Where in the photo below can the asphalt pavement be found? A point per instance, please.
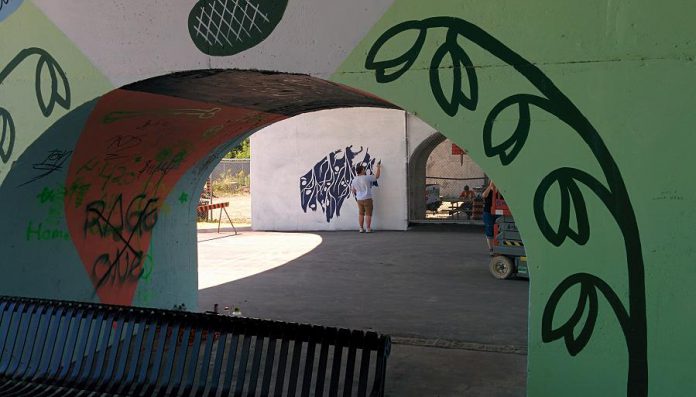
(457, 331)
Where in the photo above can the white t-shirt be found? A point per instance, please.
(363, 186)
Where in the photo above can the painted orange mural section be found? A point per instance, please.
(134, 149)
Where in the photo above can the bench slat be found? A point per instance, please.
(341, 336)
(193, 362)
(255, 366)
(282, 361)
(163, 380)
(231, 356)
(81, 342)
(362, 379)
(149, 382)
(309, 366)
(137, 347)
(350, 366)
(219, 355)
(295, 367)
(47, 352)
(182, 348)
(242, 366)
(268, 373)
(57, 348)
(14, 321)
(26, 321)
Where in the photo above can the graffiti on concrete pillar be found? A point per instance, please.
(227, 27)
(134, 147)
(327, 184)
(53, 162)
(577, 330)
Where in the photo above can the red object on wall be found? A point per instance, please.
(456, 150)
(133, 150)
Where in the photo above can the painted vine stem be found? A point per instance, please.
(613, 195)
(56, 80)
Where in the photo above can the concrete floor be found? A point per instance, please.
(456, 330)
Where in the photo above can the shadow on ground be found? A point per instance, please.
(457, 330)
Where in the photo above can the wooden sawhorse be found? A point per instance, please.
(222, 207)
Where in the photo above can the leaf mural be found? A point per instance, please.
(587, 297)
(404, 61)
(459, 60)
(571, 196)
(8, 135)
(511, 147)
(228, 27)
(613, 194)
(587, 308)
(58, 87)
(57, 83)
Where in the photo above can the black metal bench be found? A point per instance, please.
(59, 348)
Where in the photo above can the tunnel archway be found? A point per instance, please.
(140, 154)
(416, 175)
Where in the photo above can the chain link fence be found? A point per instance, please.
(449, 172)
(231, 176)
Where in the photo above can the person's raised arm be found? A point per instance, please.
(488, 190)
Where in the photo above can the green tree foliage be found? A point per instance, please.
(241, 151)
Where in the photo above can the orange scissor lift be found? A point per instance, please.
(509, 257)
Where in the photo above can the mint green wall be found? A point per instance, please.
(619, 73)
(629, 69)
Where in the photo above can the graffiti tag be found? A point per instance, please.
(327, 184)
(52, 163)
(125, 263)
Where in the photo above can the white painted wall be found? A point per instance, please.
(285, 151)
(153, 36)
(417, 131)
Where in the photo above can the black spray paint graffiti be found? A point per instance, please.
(614, 195)
(126, 263)
(228, 27)
(327, 185)
(50, 78)
(52, 163)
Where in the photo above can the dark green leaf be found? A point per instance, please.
(509, 148)
(564, 179)
(459, 60)
(57, 85)
(402, 62)
(8, 135)
(587, 303)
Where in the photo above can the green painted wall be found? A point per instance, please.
(628, 68)
(580, 111)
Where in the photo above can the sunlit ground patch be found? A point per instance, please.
(225, 257)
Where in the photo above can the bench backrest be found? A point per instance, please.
(139, 351)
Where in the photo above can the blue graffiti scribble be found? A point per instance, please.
(327, 185)
(7, 7)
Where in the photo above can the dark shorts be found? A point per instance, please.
(365, 207)
(489, 222)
